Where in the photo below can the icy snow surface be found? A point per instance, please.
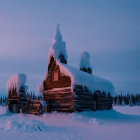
(85, 60)
(16, 81)
(99, 125)
(58, 47)
(90, 81)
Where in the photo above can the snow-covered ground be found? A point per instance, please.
(122, 123)
(131, 110)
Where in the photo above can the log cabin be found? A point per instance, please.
(67, 89)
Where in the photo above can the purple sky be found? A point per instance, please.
(108, 29)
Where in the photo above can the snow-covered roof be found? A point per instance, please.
(16, 81)
(58, 46)
(92, 82)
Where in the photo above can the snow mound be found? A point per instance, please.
(93, 83)
(85, 60)
(58, 47)
(16, 81)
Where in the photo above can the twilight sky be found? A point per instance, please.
(108, 29)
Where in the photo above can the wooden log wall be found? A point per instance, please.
(104, 102)
(30, 105)
(33, 107)
(83, 99)
(63, 80)
(65, 100)
(86, 101)
(61, 100)
(14, 101)
(21, 102)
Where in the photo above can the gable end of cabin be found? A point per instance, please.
(57, 89)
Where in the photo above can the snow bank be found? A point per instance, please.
(16, 82)
(85, 60)
(58, 47)
(99, 125)
(131, 110)
(93, 83)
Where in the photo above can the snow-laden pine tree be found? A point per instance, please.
(85, 62)
(17, 83)
(58, 48)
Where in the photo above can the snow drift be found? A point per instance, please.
(99, 125)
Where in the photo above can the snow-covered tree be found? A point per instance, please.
(58, 48)
(85, 62)
(17, 83)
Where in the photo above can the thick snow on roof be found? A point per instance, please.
(16, 81)
(58, 47)
(85, 60)
(92, 82)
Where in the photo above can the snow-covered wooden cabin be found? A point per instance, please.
(68, 89)
(18, 101)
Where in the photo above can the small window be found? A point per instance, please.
(55, 76)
